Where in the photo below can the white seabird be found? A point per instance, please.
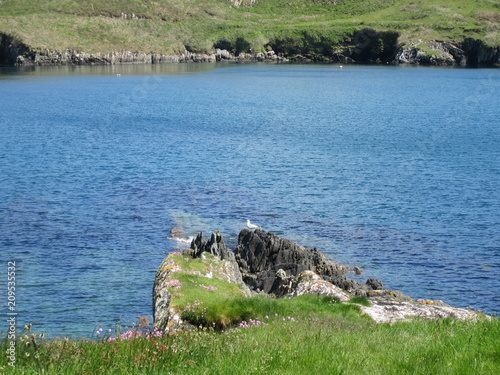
(251, 226)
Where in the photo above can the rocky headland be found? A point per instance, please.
(266, 264)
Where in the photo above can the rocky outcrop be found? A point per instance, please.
(164, 316)
(309, 282)
(216, 247)
(13, 52)
(388, 307)
(261, 254)
(215, 261)
(480, 54)
(72, 57)
(437, 53)
(471, 52)
(267, 264)
(272, 265)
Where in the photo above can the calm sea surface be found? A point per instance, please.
(392, 169)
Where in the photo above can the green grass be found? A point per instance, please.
(231, 334)
(300, 336)
(169, 26)
(214, 302)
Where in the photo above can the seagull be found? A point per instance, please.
(251, 226)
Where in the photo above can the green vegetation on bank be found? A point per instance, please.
(230, 334)
(213, 302)
(171, 26)
(297, 336)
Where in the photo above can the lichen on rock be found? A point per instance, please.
(309, 282)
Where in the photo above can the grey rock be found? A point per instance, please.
(309, 282)
(198, 245)
(470, 52)
(162, 314)
(389, 311)
(349, 285)
(281, 274)
(374, 284)
(261, 254)
(216, 247)
(222, 54)
(383, 295)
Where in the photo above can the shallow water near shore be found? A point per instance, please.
(392, 169)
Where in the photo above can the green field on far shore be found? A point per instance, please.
(172, 26)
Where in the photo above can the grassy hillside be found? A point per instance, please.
(170, 26)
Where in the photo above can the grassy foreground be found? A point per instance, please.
(171, 26)
(262, 335)
(333, 339)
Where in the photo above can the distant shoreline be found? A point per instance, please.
(469, 53)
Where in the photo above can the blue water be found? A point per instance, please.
(392, 169)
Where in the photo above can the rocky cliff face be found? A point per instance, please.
(471, 52)
(16, 53)
(480, 54)
(20, 55)
(365, 45)
(10, 49)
